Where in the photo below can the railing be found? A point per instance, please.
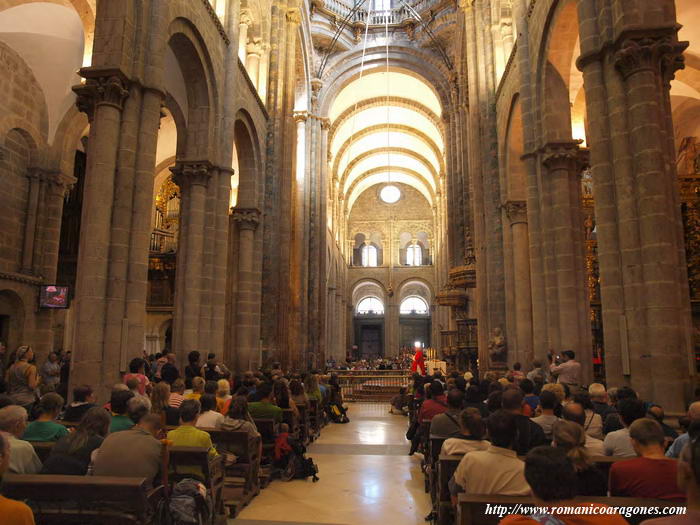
(371, 385)
(394, 16)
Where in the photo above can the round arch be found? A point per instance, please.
(246, 145)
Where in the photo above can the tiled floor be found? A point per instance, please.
(366, 478)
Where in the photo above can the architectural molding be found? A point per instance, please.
(661, 53)
(192, 173)
(565, 155)
(516, 211)
(109, 87)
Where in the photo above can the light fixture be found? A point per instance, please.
(390, 194)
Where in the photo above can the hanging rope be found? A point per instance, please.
(388, 91)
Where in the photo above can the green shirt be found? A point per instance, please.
(265, 410)
(44, 431)
(120, 423)
(188, 436)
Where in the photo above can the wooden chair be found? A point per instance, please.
(211, 469)
(43, 449)
(84, 500)
(472, 507)
(446, 466)
(289, 417)
(314, 419)
(241, 482)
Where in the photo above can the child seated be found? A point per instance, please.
(400, 402)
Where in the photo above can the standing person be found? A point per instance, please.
(193, 367)
(12, 512)
(537, 374)
(137, 371)
(51, 372)
(169, 372)
(418, 361)
(569, 371)
(22, 379)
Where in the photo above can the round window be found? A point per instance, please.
(390, 194)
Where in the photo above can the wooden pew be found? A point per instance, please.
(447, 464)
(291, 419)
(304, 424)
(212, 471)
(84, 500)
(314, 419)
(43, 448)
(472, 507)
(241, 482)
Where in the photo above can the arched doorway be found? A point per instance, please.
(11, 320)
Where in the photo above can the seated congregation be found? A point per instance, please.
(514, 440)
(204, 435)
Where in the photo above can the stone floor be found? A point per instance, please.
(366, 478)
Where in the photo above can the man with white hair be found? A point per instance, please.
(23, 458)
(674, 451)
(599, 398)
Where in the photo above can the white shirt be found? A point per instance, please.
(619, 444)
(459, 447)
(594, 446)
(568, 372)
(496, 471)
(210, 419)
(23, 458)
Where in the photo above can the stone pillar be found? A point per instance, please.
(263, 71)
(247, 300)
(101, 97)
(245, 22)
(517, 214)
(30, 225)
(252, 63)
(193, 178)
(565, 162)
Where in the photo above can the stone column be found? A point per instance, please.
(193, 178)
(245, 22)
(252, 63)
(30, 225)
(565, 162)
(101, 97)
(263, 71)
(247, 300)
(517, 214)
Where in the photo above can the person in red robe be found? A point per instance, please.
(418, 361)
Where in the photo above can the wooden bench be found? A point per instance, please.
(43, 448)
(472, 507)
(314, 419)
(212, 471)
(241, 482)
(290, 418)
(84, 500)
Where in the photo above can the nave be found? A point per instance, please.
(365, 476)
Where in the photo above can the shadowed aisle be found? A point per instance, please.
(365, 475)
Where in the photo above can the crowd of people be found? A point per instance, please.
(538, 433)
(92, 438)
(402, 361)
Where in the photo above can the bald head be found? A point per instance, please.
(694, 411)
(574, 412)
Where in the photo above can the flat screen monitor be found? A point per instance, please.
(52, 296)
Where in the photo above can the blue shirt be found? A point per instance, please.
(674, 451)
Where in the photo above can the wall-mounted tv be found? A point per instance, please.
(52, 296)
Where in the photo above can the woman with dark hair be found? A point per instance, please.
(72, 454)
(296, 389)
(238, 418)
(283, 398)
(137, 370)
(193, 368)
(313, 391)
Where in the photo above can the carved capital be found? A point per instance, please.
(294, 16)
(254, 48)
(58, 183)
(661, 54)
(325, 122)
(246, 218)
(516, 211)
(465, 5)
(192, 173)
(300, 116)
(101, 87)
(565, 156)
(246, 18)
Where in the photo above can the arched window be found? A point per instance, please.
(370, 305)
(413, 305)
(414, 255)
(369, 255)
(381, 5)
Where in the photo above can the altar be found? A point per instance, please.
(432, 364)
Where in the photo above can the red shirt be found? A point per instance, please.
(432, 407)
(645, 478)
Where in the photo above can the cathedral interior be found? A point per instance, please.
(305, 181)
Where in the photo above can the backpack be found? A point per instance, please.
(189, 504)
(293, 464)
